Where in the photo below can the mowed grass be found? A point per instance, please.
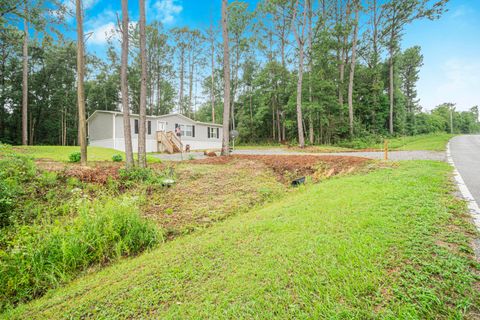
(432, 142)
(393, 243)
(61, 153)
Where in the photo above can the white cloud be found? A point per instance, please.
(101, 27)
(101, 34)
(165, 10)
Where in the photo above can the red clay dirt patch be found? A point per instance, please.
(297, 165)
(99, 174)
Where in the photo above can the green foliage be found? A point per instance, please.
(15, 170)
(117, 158)
(361, 142)
(145, 175)
(42, 257)
(394, 244)
(74, 157)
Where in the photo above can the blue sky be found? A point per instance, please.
(451, 45)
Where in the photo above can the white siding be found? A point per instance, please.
(103, 121)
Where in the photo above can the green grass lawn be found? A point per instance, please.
(394, 243)
(61, 153)
(433, 142)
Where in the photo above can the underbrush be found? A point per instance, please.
(53, 227)
(42, 257)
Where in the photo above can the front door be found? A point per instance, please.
(161, 126)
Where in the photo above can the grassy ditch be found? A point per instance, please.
(392, 243)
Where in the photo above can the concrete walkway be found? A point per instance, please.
(393, 155)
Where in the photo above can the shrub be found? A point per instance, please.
(364, 142)
(15, 171)
(136, 174)
(117, 158)
(74, 157)
(42, 257)
(48, 179)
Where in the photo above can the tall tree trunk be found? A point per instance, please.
(82, 121)
(311, 135)
(301, 138)
(226, 76)
(25, 78)
(278, 126)
(344, 54)
(212, 91)
(300, 42)
(391, 93)
(341, 71)
(352, 69)
(190, 80)
(142, 157)
(273, 119)
(127, 132)
(182, 75)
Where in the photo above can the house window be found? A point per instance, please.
(213, 133)
(149, 127)
(187, 130)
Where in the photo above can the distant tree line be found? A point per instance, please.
(300, 71)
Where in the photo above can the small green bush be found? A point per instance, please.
(75, 157)
(48, 179)
(146, 175)
(364, 142)
(117, 158)
(42, 257)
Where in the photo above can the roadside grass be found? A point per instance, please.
(61, 153)
(394, 243)
(432, 142)
(310, 148)
(322, 149)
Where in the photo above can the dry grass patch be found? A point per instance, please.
(207, 193)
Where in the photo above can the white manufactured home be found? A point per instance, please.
(105, 129)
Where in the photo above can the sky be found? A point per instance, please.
(450, 46)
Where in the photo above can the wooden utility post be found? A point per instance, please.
(385, 149)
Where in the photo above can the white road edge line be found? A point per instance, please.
(467, 195)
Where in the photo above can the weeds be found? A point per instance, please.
(42, 257)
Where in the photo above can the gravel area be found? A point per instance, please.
(392, 155)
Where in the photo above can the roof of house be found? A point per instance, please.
(155, 117)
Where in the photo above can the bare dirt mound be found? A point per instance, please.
(292, 166)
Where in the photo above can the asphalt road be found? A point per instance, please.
(465, 152)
